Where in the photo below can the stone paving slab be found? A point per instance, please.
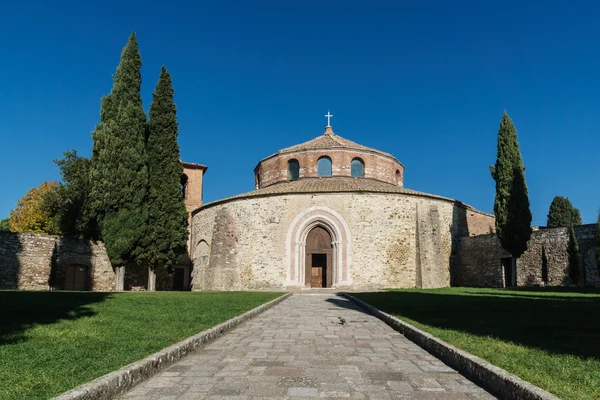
(299, 350)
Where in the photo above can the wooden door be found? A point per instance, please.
(318, 270)
(318, 258)
(317, 277)
(76, 277)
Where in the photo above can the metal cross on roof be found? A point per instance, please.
(329, 115)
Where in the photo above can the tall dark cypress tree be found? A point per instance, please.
(511, 205)
(119, 171)
(573, 252)
(167, 227)
(598, 242)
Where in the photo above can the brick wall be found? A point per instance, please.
(194, 174)
(376, 166)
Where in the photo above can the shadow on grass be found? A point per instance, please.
(22, 310)
(556, 324)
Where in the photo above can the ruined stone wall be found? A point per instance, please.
(89, 254)
(31, 261)
(25, 260)
(479, 261)
(586, 237)
(546, 261)
(382, 168)
(397, 240)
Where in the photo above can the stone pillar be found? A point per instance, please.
(336, 268)
(151, 280)
(120, 278)
(514, 282)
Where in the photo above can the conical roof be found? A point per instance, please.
(329, 140)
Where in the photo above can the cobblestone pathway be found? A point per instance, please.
(298, 349)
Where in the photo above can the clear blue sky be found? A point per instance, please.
(426, 81)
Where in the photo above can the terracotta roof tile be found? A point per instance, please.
(336, 184)
(329, 140)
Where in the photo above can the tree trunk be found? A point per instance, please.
(151, 279)
(120, 278)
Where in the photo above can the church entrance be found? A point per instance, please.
(318, 258)
(319, 271)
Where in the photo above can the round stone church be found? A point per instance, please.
(329, 213)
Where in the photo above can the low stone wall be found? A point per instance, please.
(545, 263)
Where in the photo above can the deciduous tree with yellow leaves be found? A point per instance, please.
(32, 213)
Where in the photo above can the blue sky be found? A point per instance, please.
(426, 81)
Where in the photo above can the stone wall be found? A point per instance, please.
(479, 262)
(31, 261)
(395, 240)
(546, 261)
(86, 253)
(376, 166)
(136, 278)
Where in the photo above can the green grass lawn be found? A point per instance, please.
(549, 337)
(53, 341)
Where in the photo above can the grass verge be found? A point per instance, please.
(549, 337)
(51, 342)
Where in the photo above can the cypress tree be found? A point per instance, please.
(167, 226)
(511, 204)
(562, 213)
(598, 242)
(119, 174)
(573, 251)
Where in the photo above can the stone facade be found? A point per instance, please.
(382, 235)
(545, 263)
(381, 240)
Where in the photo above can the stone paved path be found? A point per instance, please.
(298, 349)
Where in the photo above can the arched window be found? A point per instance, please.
(293, 170)
(183, 186)
(357, 168)
(324, 166)
(397, 177)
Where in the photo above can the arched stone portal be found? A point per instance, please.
(327, 224)
(318, 265)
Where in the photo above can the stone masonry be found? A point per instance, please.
(387, 249)
(299, 350)
(31, 261)
(546, 261)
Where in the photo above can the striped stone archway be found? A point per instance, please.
(337, 227)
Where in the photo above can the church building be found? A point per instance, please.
(329, 213)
